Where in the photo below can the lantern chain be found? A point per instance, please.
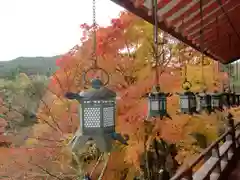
(236, 73)
(186, 84)
(231, 78)
(185, 72)
(214, 78)
(237, 76)
(94, 54)
(185, 64)
(201, 43)
(156, 55)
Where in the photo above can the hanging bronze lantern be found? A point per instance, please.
(204, 102)
(157, 100)
(97, 109)
(237, 99)
(157, 103)
(97, 112)
(232, 99)
(187, 100)
(203, 99)
(216, 101)
(226, 99)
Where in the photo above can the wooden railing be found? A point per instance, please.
(216, 158)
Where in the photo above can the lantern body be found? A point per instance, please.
(97, 117)
(232, 99)
(237, 97)
(187, 102)
(97, 122)
(204, 102)
(226, 99)
(97, 111)
(216, 101)
(157, 104)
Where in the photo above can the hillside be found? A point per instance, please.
(28, 65)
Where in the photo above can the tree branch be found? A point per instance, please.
(46, 171)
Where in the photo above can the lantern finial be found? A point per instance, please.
(156, 88)
(96, 83)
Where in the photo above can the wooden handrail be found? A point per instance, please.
(215, 157)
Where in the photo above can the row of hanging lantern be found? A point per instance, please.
(202, 101)
(190, 102)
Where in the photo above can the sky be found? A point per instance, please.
(47, 27)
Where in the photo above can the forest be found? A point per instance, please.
(37, 122)
(28, 65)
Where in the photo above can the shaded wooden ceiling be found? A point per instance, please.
(182, 19)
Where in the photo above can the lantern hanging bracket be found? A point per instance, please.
(202, 46)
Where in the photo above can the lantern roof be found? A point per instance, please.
(221, 27)
(156, 91)
(187, 92)
(203, 94)
(216, 93)
(102, 93)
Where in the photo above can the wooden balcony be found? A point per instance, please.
(218, 161)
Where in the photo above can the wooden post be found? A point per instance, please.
(232, 133)
(216, 154)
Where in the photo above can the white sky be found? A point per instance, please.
(46, 27)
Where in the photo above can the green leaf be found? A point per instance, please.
(2, 116)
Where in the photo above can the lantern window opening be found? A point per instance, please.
(204, 103)
(157, 105)
(108, 116)
(184, 101)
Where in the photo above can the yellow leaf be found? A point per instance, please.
(31, 141)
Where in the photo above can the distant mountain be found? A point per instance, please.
(29, 65)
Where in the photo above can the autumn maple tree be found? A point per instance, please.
(125, 51)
